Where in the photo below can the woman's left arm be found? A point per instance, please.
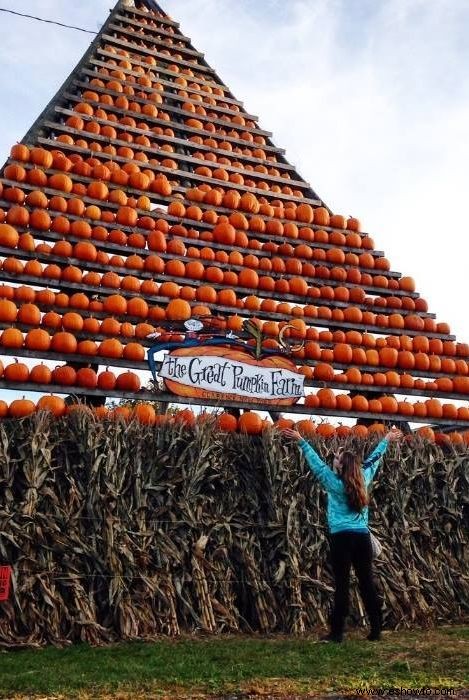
(372, 462)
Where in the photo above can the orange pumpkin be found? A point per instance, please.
(52, 404)
(250, 423)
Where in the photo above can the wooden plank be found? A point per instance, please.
(316, 322)
(74, 358)
(124, 250)
(222, 210)
(243, 291)
(130, 45)
(168, 107)
(193, 79)
(176, 141)
(63, 111)
(160, 30)
(141, 13)
(126, 26)
(114, 207)
(172, 95)
(307, 411)
(342, 387)
(184, 175)
(178, 126)
(180, 35)
(299, 409)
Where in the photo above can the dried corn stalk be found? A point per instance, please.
(120, 531)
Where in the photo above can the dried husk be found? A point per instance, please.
(121, 531)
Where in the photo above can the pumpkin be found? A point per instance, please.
(53, 404)
(327, 398)
(8, 311)
(107, 380)
(227, 423)
(9, 236)
(16, 372)
(324, 372)
(20, 408)
(145, 413)
(178, 310)
(115, 304)
(64, 342)
(250, 423)
(64, 376)
(128, 382)
(86, 377)
(40, 374)
(11, 338)
(37, 339)
(111, 347)
(305, 213)
(325, 430)
(20, 152)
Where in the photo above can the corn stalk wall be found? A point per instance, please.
(121, 531)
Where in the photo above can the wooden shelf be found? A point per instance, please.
(176, 125)
(299, 409)
(183, 175)
(64, 112)
(127, 28)
(378, 290)
(51, 356)
(126, 250)
(152, 15)
(267, 237)
(227, 97)
(173, 95)
(316, 322)
(167, 106)
(131, 46)
(243, 291)
(342, 387)
(148, 27)
(158, 138)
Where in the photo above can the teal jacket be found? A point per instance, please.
(339, 514)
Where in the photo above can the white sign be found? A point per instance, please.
(227, 376)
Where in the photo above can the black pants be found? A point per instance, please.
(353, 548)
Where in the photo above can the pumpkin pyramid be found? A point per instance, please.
(146, 181)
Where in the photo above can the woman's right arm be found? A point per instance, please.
(324, 474)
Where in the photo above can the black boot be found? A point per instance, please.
(334, 638)
(374, 636)
(375, 627)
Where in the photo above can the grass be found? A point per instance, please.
(279, 665)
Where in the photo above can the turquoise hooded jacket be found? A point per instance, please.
(339, 514)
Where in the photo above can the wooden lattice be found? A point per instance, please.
(117, 190)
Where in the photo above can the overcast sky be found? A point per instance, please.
(370, 98)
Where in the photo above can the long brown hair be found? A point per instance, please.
(352, 476)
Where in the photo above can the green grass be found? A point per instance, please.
(256, 664)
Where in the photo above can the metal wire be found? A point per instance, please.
(47, 21)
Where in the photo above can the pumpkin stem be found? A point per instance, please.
(256, 333)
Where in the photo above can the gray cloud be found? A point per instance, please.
(369, 97)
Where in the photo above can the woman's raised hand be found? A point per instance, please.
(393, 435)
(292, 434)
